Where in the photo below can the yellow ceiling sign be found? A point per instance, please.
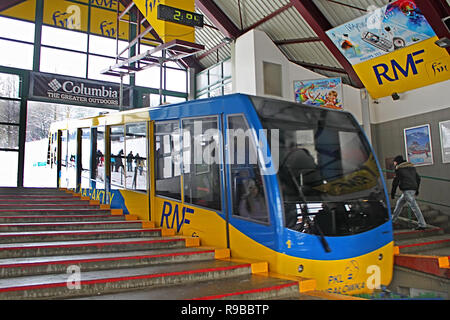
(167, 30)
(66, 14)
(406, 69)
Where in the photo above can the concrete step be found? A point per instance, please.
(245, 287)
(430, 214)
(65, 226)
(65, 218)
(8, 212)
(435, 265)
(18, 267)
(108, 281)
(20, 250)
(414, 234)
(439, 221)
(40, 201)
(37, 197)
(65, 206)
(44, 236)
(31, 192)
(422, 244)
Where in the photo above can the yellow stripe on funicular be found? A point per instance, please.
(136, 203)
(190, 221)
(347, 276)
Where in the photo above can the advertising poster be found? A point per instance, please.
(418, 145)
(444, 128)
(383, 30)
(320, 92)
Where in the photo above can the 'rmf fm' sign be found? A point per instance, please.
(409, 68)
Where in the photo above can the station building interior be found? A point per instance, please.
(387, 62)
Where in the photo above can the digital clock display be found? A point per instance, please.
(180, 16)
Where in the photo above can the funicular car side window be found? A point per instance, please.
(248, 192)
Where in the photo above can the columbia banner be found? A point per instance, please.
(392, 49)
(62, 89)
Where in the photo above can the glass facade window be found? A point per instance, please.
(64, 39)
(9, 137)
(168, 159)
(176, 80)
(23, 31)
(8, 168)
(97, 64)
(9, 86)
(16, 54)
(9, 111)
(63, 62)
(215, 81)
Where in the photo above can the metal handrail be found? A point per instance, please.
(426, 177)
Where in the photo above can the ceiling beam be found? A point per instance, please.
(319, 67)
(318, 22)
(268, 17)
(218, 18)
(6, 4)
(295, 41)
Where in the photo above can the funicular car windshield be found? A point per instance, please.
(328, 176)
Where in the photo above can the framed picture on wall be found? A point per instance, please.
(444, 130)
(418, 145)
(327, 92)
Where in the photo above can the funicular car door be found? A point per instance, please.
(250, 224)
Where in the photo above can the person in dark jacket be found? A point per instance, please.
(408, 180)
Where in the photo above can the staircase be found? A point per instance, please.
(422, 257)
(58, 245)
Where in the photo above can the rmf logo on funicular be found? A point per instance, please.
(409, 68)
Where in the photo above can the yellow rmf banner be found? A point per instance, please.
(406, 69)
(167, 31)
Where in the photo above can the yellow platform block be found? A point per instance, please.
(167, 232)
(192, 242)
(222, 253)
(148, 224)
(94, 202)
(260, 267)
(105, 206)
(116, 212)
(444, 263)
(305, 285)
(130, 217)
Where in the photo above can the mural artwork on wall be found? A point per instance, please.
(418, 145)
(320, 92)
(444, 129)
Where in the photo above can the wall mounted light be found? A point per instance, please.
(395, 96)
